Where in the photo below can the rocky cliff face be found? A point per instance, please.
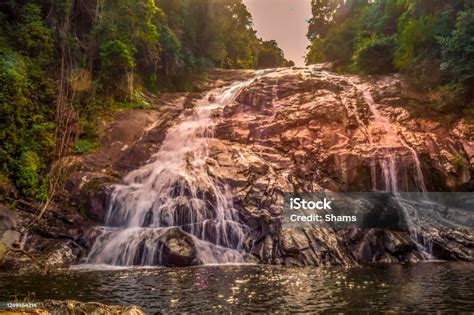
(310, 130)
(296, 130)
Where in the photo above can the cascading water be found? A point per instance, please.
(386, 146)
(390, 169)
(391, 137)
(175, 191)
(388, 161)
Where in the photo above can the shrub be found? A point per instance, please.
(374, 56)
(458, 162)
(28, 178)
(315, 52)
(84, 146)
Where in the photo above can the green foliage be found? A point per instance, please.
(32, 36)
(323, 14)
(27, 135)
(271, 56)
(116, 54)
(374, 55)
(459, 162)
(14, 85)
(40, 138)
(315, 52)
(453, 97)
(89, 129)
(414, 34)
(210, 33)
(339, 45)
(166, 44)
(458, 49)
(118, 61)
(137, 104)
(84, 146)
(28, 178)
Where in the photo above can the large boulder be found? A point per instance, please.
(177, 249)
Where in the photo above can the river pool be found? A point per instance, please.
(424, 287)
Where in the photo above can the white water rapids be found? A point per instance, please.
(175, 191)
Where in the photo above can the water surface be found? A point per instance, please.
(425, 287)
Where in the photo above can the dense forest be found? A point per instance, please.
(63, 64)
(431, 41)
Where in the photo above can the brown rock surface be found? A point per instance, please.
(310, 130)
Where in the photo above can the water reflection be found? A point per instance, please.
(423, 287)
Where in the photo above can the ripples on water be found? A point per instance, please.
(425, 287)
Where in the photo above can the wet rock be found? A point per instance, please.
(56, 255)
(97, 196)
(452, 244)
(264, 250)
(10, 237)
(177, 249)
(376, 245)
(56, 241)
(61, 255)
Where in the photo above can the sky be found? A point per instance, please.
(284, 21)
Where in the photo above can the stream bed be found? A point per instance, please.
(423, 287)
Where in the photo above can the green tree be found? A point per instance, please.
(26, 97)
(458, 50)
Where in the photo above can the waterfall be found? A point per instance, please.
(388, 158)
(175, 191)
(389, 165)
(175, 198)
